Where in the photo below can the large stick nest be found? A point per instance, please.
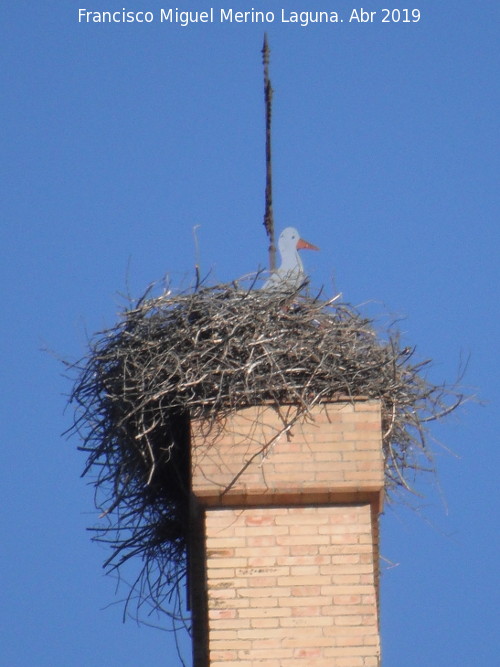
(204, 355)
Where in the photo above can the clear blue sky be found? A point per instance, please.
(117, 139)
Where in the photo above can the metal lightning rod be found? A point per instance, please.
(268, 214)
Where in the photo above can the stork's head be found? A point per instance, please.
(290, 240)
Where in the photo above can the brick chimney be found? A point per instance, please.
(284, 548)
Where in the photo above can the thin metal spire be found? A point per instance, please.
(268, 214)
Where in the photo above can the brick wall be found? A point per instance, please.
(287, 567)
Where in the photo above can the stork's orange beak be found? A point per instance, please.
(305, 245)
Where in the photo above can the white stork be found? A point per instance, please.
(291, 275)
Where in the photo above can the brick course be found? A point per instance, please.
(252, 460)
